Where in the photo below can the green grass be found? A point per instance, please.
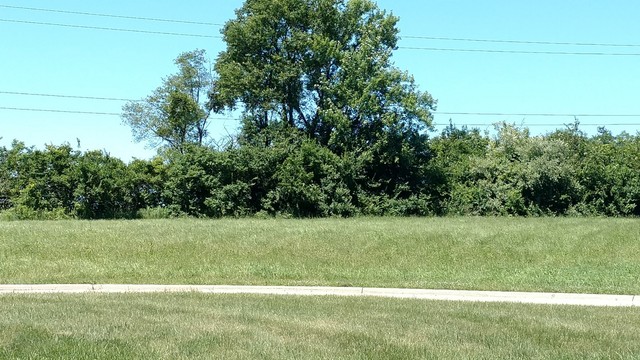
(267, 327)
(536, 254)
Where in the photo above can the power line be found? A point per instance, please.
(111, 15)
(436, 113)
(108, 29)
(518, 51)
(528, 42)
(65, 96)
(419, 37)
(401, 47)
(545, 125)
(533, 114)
(85, 112)
(60, 111)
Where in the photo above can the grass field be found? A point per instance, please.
(536, 254)
(174, 326)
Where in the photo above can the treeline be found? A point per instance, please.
(329, 127)
(459, 172)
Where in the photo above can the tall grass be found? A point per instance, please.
(534, 254)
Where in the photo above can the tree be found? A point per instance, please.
(610, 175)
(323, 68)
(176, 114)
(103, 188)
(5, 194)
(453, 151)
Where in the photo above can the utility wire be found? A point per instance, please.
(400, 47)
(546, 125)
(60, 111)
(418, 37)
(518, 51)
(65, 96)
(436, 113)
(108, 29)
(528, 42)
(111, 15)
(84, 112)
(533, 114)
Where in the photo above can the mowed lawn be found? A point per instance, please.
(585, 255)
(175, 326)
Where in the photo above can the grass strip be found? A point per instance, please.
(139, 326)
(514, 254)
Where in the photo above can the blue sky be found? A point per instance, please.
(45, 59)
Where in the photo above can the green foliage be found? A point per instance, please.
(453, 152)
(462, 172)
(610, 176)
(310, 182)
(41, 180)
(518, 175)
(330, 127)
(5, 190)
(103, 189)
(146, 181)
(190, 180)
(22, 212)
(154, 213)
(322, 68)
(205, 182)
(58, 182)
(177, 113)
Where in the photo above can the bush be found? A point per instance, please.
(155, 213)
(22, 212)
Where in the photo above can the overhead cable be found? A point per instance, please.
(400, 47)
(533, 114)
(417, 37)
(518, 51)
(528, 42)
(60, 111)
(85, 112)
(435, 113)
(111, 15)
(108, 28)
(545, 125)
(65, 96)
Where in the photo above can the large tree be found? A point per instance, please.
(322, 67)
(177, 112)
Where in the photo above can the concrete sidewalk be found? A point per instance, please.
(448, 295)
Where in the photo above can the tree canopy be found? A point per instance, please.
(321, 67)
(176, 113)
(330, 127)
